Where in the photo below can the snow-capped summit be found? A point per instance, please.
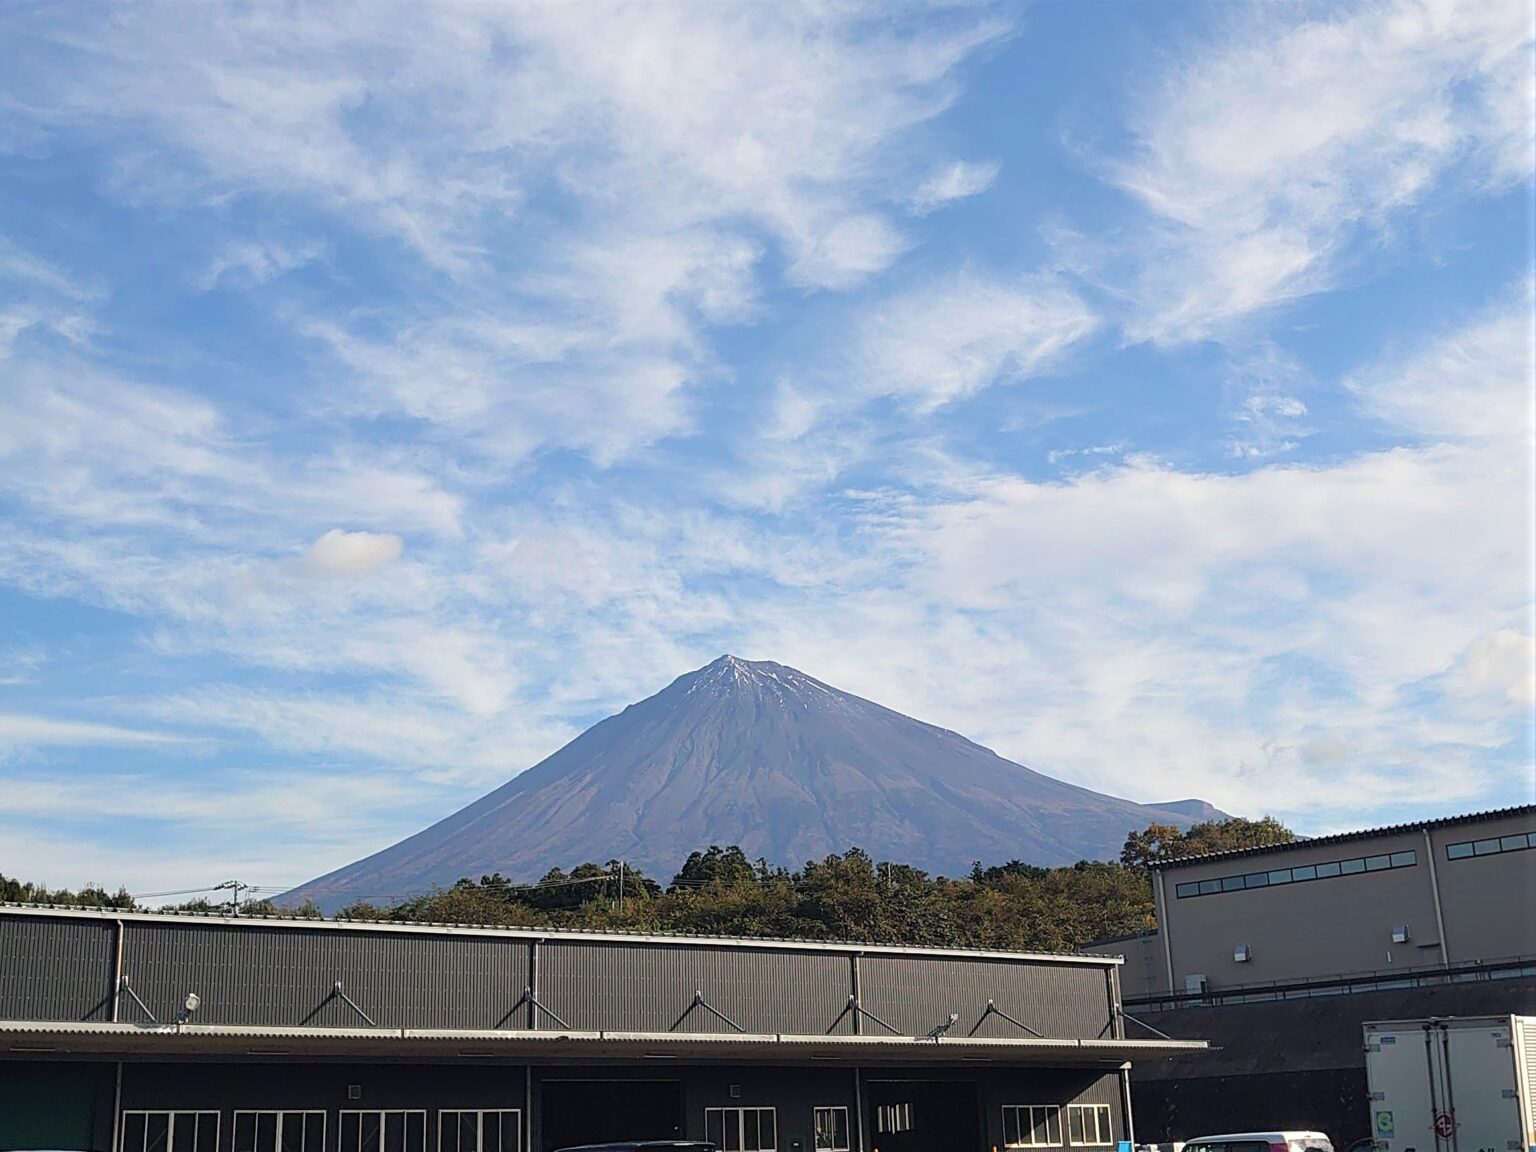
(759, 754)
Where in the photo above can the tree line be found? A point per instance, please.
(846, 896)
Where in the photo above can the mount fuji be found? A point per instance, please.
(761, 755)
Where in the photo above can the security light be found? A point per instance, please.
(1400, 934)
(193, 1002)
(1242, 954)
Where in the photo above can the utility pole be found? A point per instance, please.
(234, 887)
(621, 888)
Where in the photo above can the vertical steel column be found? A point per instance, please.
(527, 1124)
(117, 1109)
(858, 1105)
(1125, 1102)
(1434, 887)
(117, 972)
(533, 983)
(858, 999)
(1117, 1021)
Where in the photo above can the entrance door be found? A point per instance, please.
(598, 1111)
(923, 1116)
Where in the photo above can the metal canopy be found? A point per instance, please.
(170, 1041)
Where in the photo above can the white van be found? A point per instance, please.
(1261, 1142)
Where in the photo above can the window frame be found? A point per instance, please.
(480, 1114)
(847, 1144)
(277, 1133)
(381, 1113)
(1106, 1130)
(170, 1115)
(1052, 1112)
(741, 1110)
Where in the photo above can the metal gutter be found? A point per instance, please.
(550, 935)
(190, 1038)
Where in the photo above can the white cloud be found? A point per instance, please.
(942, 342)
(955, 181)
(1503, 662)
(23, 731)
(1265, 154)
(253, 263)
(343, 553)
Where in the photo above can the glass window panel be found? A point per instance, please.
(157, 1132)
(244, 1135)
(415, 1132)
(290, 1133)
(266, 1131)
(751, 1141)
(207, 1139)
(1511, 843)
(1326, 870)
(1280, 876)
(1256, 880)
(1075, 1125)
(1305, 872)
(1053, 1124)
(714, 1127)
(133, 1132)
(1484, 847)
(1530, 839)
(767, 1134)
(1183, 890)
(732, 1130)
(840, 1128)
(1231, 883)
(1011, 1120)
(1404, 859)
(1377, 863)
(1458, 851)
(1351, 867)
(1209, 886)
(314, 1132)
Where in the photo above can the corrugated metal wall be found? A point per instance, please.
(281, 976)
(55, 969)
(917, 993)
(648, 987)
(285, 976)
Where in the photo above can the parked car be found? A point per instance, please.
(1261, 1142)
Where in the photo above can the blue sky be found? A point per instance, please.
(389, 392)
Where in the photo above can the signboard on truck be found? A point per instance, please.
(1452, 1084)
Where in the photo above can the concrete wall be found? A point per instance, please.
(1328, 927)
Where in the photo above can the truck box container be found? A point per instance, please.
(1452, 1084)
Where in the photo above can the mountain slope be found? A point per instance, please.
(760, 755)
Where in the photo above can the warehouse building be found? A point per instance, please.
(1278, 955)
(1398, 902)
(169, 1033)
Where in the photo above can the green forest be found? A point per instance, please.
(848, 896)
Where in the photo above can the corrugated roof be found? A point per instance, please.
(536, 933)
(1346, 837)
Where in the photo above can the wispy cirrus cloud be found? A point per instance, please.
(1262, 158)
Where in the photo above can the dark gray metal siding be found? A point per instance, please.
(915, 993)
(281, 976)
(648, 987)
(55, 969)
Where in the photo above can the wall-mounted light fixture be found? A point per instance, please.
(1400, 934)
(1241, 954)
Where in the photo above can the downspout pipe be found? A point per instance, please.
(1434, 887)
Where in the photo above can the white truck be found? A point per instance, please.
(1452, 1084)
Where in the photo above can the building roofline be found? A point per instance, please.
(1346, 837)
(571, 935)
(169, 1039)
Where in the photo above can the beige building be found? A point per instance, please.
(1407, 899)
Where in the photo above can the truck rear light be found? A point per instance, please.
(1282, 1146)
